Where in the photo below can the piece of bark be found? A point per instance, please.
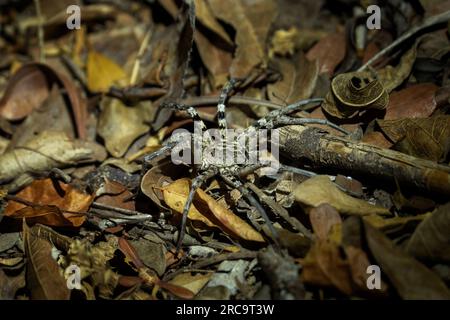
(325, 150)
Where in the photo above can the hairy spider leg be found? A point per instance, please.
(287, 121)
(161, 151)
(221, 116)
(199, 142)
(197, 182)
(302, 172)
(189, 109)
(235, 182)
(297, 106)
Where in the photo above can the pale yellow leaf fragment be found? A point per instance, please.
(319, 190)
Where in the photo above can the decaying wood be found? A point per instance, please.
(321, 149)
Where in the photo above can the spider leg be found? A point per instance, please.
(236, 183)
(286, 121)
(297, 106)
(156, 154)
(190, 110)
(221, 117)
(196, 183)
(302, 172)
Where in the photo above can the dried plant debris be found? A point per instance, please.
(237, 150)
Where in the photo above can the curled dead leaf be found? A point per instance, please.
(353, 93)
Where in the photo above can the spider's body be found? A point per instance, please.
(215, 153)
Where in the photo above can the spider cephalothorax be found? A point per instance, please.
(212, 152)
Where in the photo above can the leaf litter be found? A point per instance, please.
(80, 110)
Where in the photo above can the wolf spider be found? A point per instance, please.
(232, 173)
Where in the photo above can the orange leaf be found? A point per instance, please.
(129, 251)
(417, 101)
(48, 215)
(51, 204)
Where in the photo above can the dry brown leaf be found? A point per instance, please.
(95, 271)
(411, 279)
(391, 77)
(175, 195)
(249, 53)
(323, 218)
(430, 242)
(205, 16)
(51, 202)
(319, 190)
(329, 52)
(377, 139)
(48, 215)
(44, 277)
(10, 285)
(29, 87)
(120, 125)
(27, 90)
(54, 108)
(358, 264)
(298, 82)
(102, 72)
(159, 175)
(116, 195)
(148, 275)
(417, 101)
(216, 60)
(325, 266)
(50, 149)
(427, 138)
(296, 244)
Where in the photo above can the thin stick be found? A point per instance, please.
(431, 21)
(119, 210)
(37, 5)
(244, 254)
(137, 62)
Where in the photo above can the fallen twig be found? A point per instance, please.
(325, 150)
(431, 21)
